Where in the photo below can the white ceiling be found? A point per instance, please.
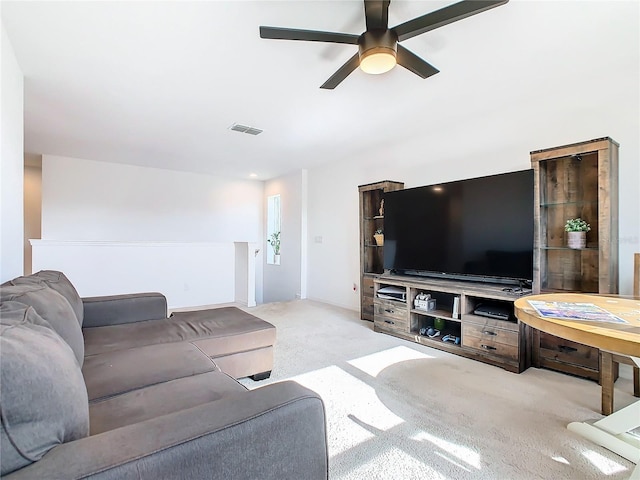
(159, 83)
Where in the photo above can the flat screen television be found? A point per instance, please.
(477, 229)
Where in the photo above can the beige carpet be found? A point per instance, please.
(397, 410)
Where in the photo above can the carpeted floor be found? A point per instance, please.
(397, 410)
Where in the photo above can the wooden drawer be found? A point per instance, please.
(390, 323)
(560, 350)
(367, 287)
(489, 346)
(490, 322)
(489, 334)
(390, 309)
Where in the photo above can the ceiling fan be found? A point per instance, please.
(378, 47)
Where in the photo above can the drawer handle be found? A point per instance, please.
(489, 332)
(371, 286)
(390, 322)
(565, 349)
(389, 310)
(488, 347)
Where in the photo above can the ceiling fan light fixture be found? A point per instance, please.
(378, 60)
(377, 49)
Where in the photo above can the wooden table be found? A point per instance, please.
(618, 338)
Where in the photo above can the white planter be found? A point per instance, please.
(576, 239)
(276, 259)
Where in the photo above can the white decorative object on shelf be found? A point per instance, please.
(424, 301)
(576, 239)
(456, 308)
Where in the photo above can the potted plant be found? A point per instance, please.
(577, 229)
(379, 237)
(274, 241)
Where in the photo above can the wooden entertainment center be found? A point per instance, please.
(500, 342)
(577, 180)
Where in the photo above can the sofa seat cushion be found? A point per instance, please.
(61, 284)
(217, 331)
(161, 399)
(51, 306)
(113, 373)
(43, 399)
(231, 330)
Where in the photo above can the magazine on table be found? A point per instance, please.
(587, 312)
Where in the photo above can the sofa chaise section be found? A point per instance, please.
(239, 343)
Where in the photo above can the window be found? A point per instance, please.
(273, 229)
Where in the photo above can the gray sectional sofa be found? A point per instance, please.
(113, 388)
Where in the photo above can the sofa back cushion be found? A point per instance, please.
(43, 398)
(61, 284)
(51, 306)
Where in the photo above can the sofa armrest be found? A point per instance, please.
(129, 308)
(274, 432)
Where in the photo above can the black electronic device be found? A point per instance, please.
(476, 229)
(499, 311)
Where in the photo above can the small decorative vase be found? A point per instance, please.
(379, 238)
(276, 259)
(576, 239)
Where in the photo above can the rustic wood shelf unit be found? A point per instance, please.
(371, 254)
(490, 340)
(570, 181)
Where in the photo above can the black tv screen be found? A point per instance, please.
(475, 229)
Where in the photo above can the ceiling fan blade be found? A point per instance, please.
(342, 73)
(444, 16)
(376, 13)
(414, 63)
(278, 33)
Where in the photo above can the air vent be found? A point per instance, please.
(236, 127)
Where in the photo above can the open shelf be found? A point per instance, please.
(578, 203)
(435, 313)
(570, 249)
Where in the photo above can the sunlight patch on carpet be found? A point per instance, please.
(376, 362)
(462, 453)
(347, 398)
(604, 464)
(561, 460)
(452, 461)
(405, 467)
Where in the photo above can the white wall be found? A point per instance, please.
(11, 163)
(90, 200)
(284, 282)
(164, 216)
(577, 100)
(187, 273)
(32, 205)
